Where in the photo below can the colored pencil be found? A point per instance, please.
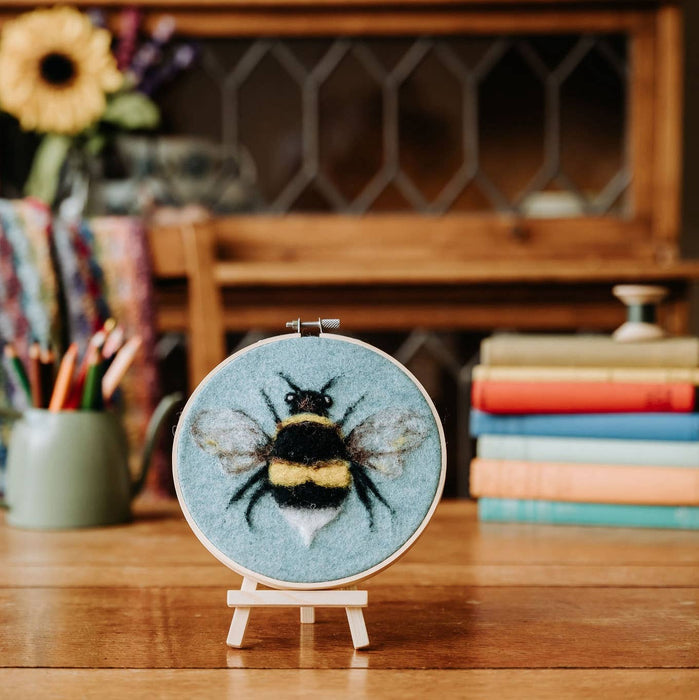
(75, 396)
(35, 375)
(112, 344)
(46, 360)
(64, 378)
(98, 339)
(92, 395)
(18, 369)
(119, 367)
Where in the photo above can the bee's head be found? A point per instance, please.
(307, 400)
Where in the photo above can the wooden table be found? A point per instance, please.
(472, 610)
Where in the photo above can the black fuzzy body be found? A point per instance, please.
(309, 496)
(309, 442)
(315, 444)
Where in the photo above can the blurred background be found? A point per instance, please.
(429, 175)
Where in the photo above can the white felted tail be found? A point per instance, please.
(307, 521)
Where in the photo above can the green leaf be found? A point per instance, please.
(42, 182)
(131, 110)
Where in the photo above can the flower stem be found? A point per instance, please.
(43, 179)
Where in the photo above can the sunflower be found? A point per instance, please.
(55, 68)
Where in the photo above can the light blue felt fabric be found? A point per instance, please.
(346, 546)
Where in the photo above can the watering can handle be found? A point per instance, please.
(153, 433)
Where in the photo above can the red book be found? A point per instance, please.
(582, 397)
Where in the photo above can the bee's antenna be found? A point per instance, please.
(289, 382)
(350, 410)
(328, 384)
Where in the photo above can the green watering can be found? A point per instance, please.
(70, 469)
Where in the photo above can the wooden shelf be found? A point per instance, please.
(280, 274)
(322, 250)
(475, 306)
(376, 273)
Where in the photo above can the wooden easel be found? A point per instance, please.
(249, 597)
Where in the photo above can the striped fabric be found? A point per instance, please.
(98, 269)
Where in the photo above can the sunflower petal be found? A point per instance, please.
(26, 93)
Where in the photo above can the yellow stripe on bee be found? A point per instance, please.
(306, 418)
(331, 474)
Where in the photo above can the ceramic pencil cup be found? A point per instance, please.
(69, 469)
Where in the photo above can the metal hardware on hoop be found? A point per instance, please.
(314, 327)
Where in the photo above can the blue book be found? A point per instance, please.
(563, 513)
(622, 426)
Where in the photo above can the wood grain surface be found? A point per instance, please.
(501, 610)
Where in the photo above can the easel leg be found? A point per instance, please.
(240, 618)
(307, 601)
(355, 617)
(308, 615)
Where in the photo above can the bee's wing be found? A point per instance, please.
(384, 439)
(236, 439)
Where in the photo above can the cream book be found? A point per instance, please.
(618, 375)
(522, 349)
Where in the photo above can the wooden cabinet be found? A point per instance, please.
(503, 261)
(528, 129)
(516, 139)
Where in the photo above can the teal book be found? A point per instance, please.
(560, 513)
(646, 453)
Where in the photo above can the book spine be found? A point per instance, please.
(589, 483)
(560, 513)
(577, 397)
(619, 426)
(593, 450)
(587, 351)
(624, 375)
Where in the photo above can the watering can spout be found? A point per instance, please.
(155, 427)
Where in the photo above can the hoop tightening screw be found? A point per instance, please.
(314, 327)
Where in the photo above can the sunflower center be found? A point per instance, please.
(57, 69)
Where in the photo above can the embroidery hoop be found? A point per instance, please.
(333, 583)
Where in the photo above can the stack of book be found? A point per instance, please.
(587, 430)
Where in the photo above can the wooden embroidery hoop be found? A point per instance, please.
(319, 594)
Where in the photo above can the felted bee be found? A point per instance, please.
(310, 466)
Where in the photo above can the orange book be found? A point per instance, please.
(582, 397)
(587, 483)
